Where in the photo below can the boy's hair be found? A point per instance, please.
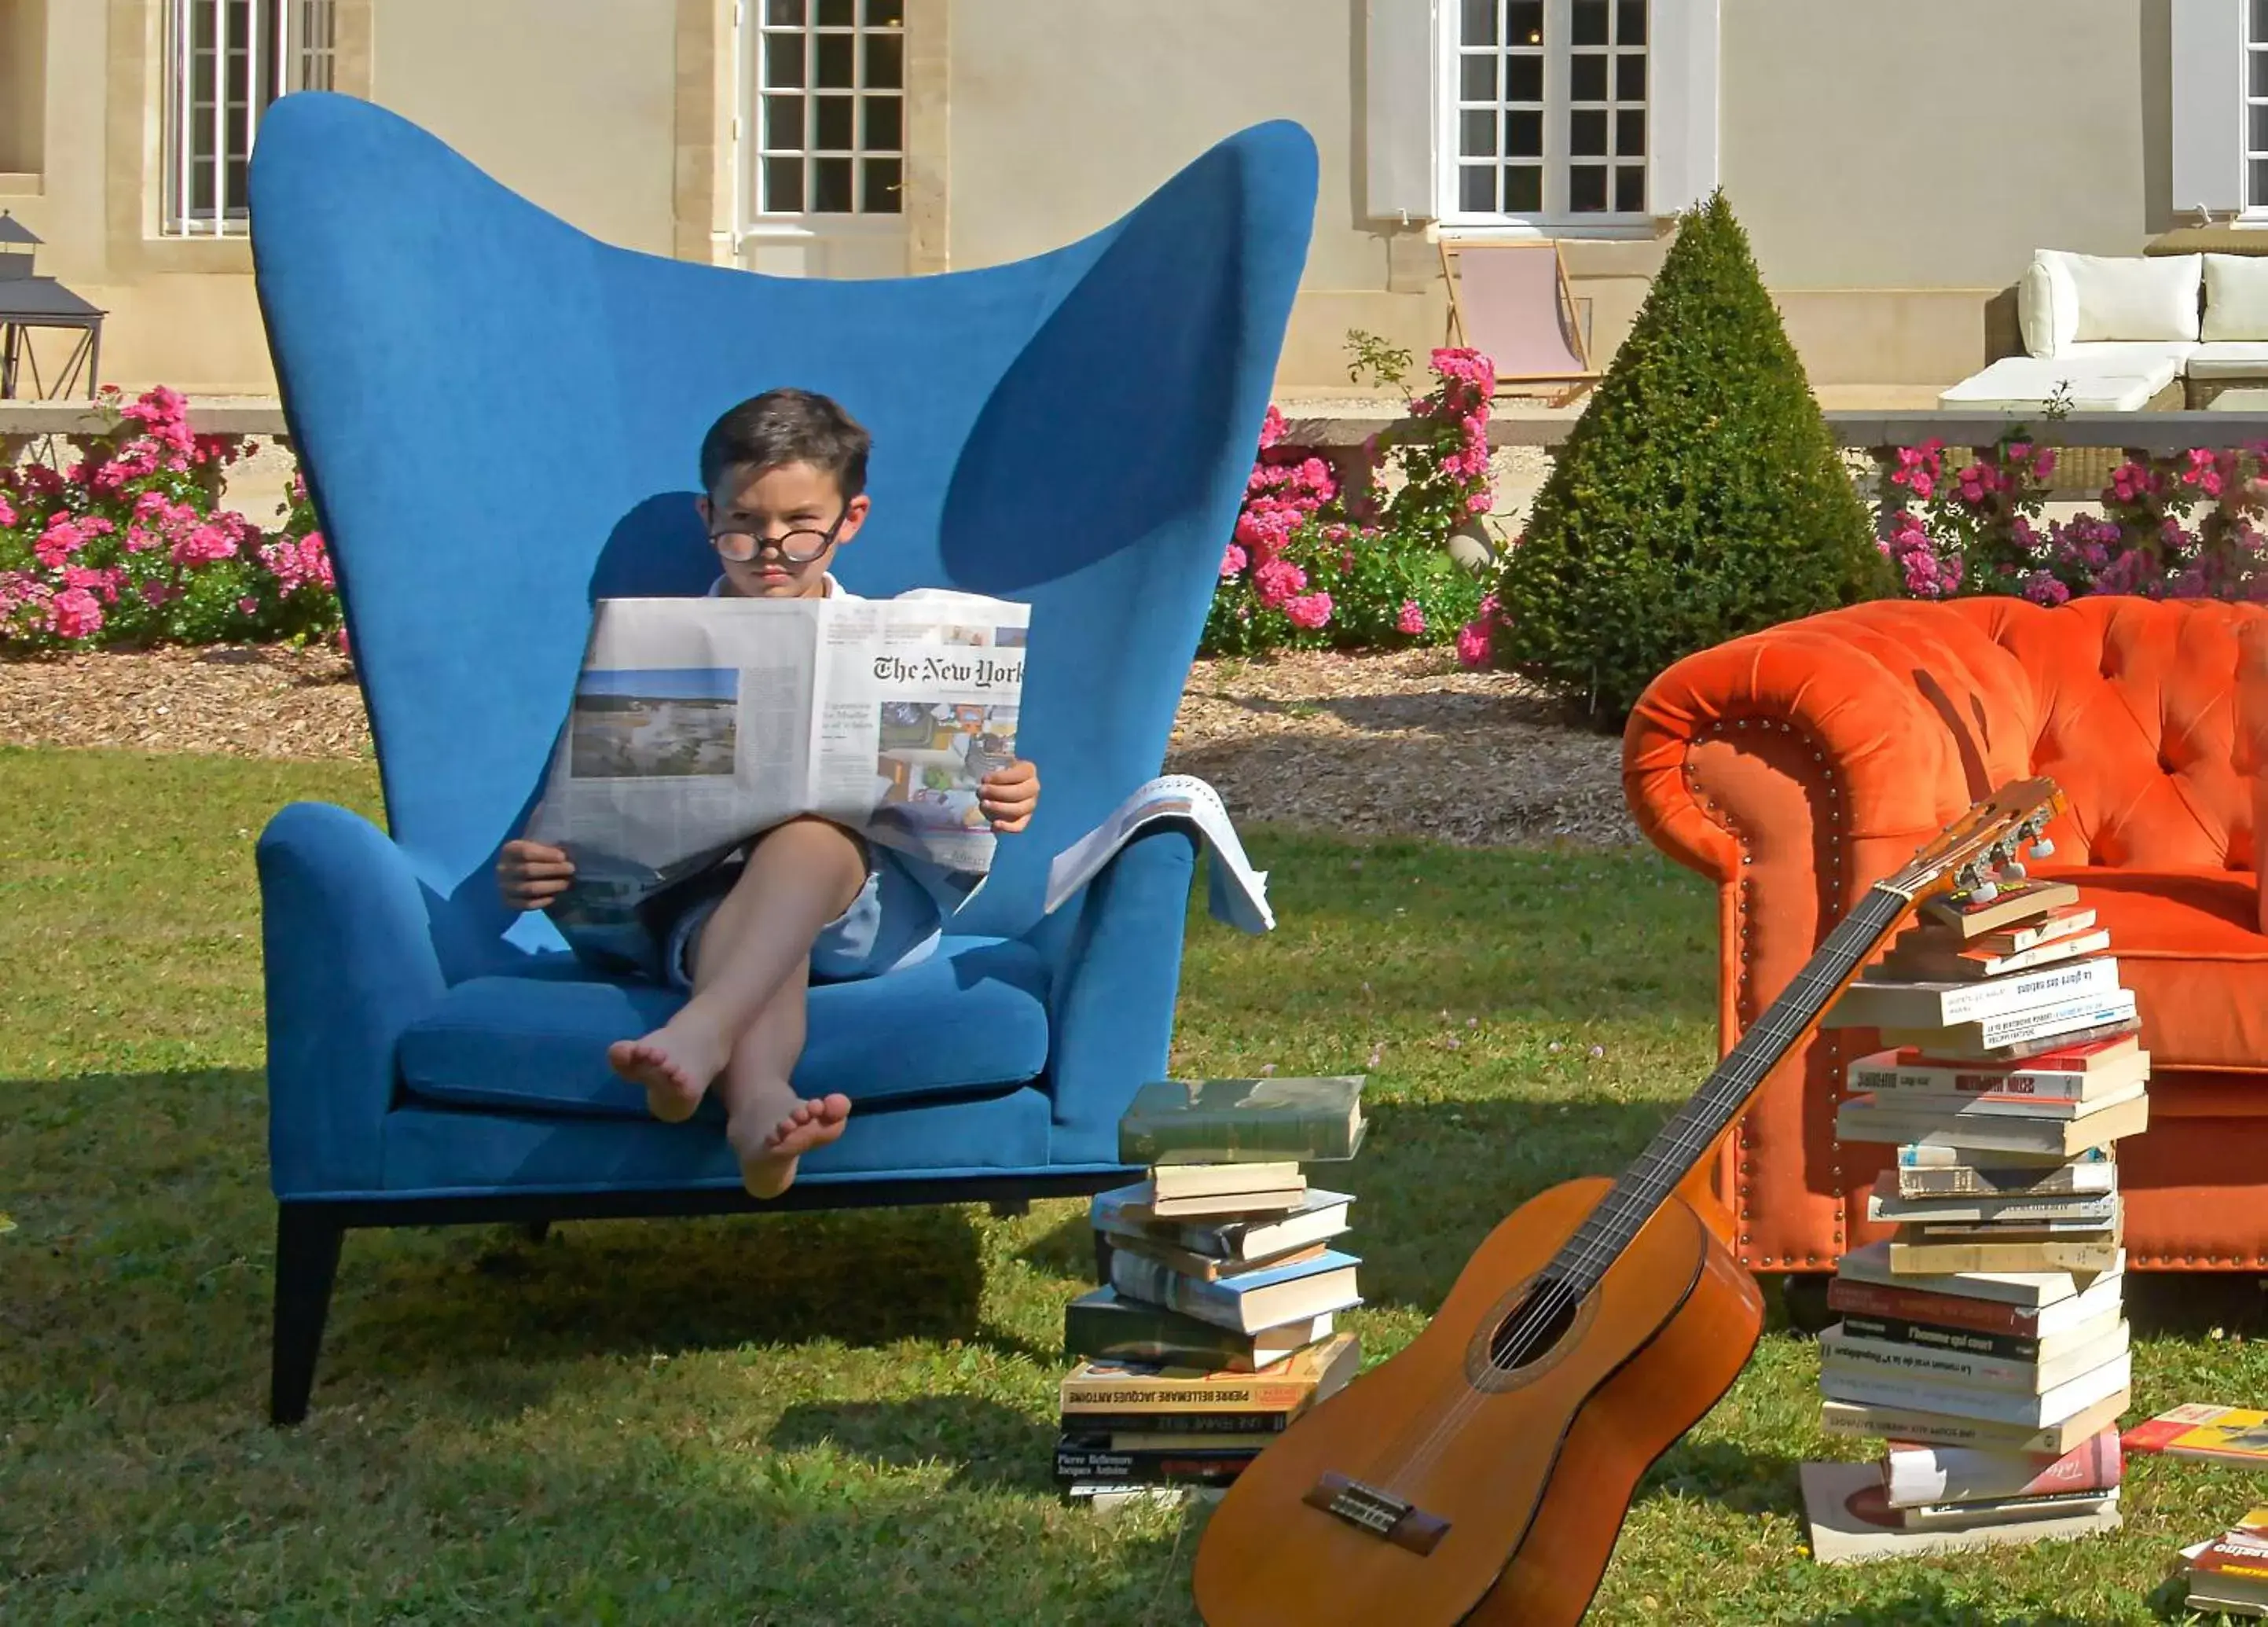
(787, 426)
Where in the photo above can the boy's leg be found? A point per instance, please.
(800, 876)
(767, 1124)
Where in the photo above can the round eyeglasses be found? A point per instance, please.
(797, 548)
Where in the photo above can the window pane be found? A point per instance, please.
(201, 198)
(2258, 140)
(1523, 78)
(879, 177)
(1587, 187)
(883, 123)
(1476, 189)
(830, 186)
(783, 13)
(1524, 22)
(1629, 133)
(1629, 188)
(2259, 72)
(1589, 25)
(1586, 133)
(1476, 134)
(1479, 23)
(783, 62)
(830, 128)
(1476, 80)
(200, 79)
(1523, 135)
(1586, 78)
(2259, 168)
(886, 13)
(236, 168)
(783, 122)
(200, 27)
(886, 61)
(2260, 22)
(240, 77)
(1630, 22)
(834, 61)
(835, 14)
(1523, 190)
(782, 186)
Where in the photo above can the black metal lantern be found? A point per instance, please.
(28, 301)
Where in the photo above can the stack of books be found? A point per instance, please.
(2227, 1574)
(1993, 1320)
(1215, 1327)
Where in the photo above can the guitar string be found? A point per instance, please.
(1681, 1139)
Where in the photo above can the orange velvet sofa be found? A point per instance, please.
(1796, 767)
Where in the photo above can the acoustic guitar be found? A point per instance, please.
(1483, 1474)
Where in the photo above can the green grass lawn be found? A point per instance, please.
(822, 1419)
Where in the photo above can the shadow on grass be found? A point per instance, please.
(989, 1445)
(1930, 1605)
(1727, 1474)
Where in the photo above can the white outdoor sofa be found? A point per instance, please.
(2123, 334)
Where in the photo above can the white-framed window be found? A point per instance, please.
(1545, 111)
(830, 123)
(2255, 92)
(225, 62)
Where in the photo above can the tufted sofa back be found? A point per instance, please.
(2144, 711)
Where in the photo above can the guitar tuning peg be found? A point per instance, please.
(2043, 848)
(2012, 872)
(1983, 892)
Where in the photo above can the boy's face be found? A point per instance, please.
(771, 506)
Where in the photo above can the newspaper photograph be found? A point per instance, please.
(699, 723)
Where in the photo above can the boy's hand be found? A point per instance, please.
(1008, 796)
(531, 874)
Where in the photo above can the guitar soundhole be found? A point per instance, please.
(1534, 1325)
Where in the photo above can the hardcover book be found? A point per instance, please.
(1320, 1215)
(2042, 1163)
(2084, 1256)
(1170, 1182)
(1868, 1118)
(1952, 1314)
(1965, 1106)
(1101, 1327)
(1081, 1461)
(1243, 1120)
(1992, 1182)
(2074, 1072)
(1126, 1388)
(1248, 1301)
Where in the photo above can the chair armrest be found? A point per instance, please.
(2251, 756)
(1112, 1005)
(347, 934)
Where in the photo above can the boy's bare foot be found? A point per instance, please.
(768, 1168)
(673, 1064)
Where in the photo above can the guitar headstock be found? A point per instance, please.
(1982, 840)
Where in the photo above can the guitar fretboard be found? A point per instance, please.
(1671, 1156)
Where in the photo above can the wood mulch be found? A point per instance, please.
(1403, 744)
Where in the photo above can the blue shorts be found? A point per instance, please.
(895, 922)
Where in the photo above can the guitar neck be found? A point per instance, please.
(1694, 1128)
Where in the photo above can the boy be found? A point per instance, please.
(784, 476)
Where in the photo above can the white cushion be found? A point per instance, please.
(2230, 359)
(2026, 383)
(2235, 296)
(2047, 310)
(2128, 297)
(2128, 355)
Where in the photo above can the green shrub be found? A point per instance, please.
(1699, 497)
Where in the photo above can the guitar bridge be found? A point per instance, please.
(1402, 1523)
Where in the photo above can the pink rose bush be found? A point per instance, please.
(1321, 558)
(127, 546)
(2188, 525)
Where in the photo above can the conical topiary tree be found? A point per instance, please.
(1699, 497)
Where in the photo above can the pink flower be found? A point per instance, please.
(247, 605)
(7, 514)
(1310, 610)
(2043, 589)
(1412, 622)
(1473, 643)
(1231, 560)
(75, 613)
(156, 593)
(1276, 581)
(1271, 428)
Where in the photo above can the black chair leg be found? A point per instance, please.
(306, 1262)
(1012, 1209)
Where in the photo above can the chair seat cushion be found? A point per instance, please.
(972, 1017)
(2229, 359)
(2094, 383)
(2189, 946)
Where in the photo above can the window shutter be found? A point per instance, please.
(2208, 105)
(1397, 39)
(1682, 43)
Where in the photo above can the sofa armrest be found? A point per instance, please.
(1794, 768)
(1112, 1005)
(347, 934)
(2249, 757)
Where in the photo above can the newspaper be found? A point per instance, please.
(699, 723)
(1235, 891)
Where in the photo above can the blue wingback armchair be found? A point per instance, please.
(498, 416)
